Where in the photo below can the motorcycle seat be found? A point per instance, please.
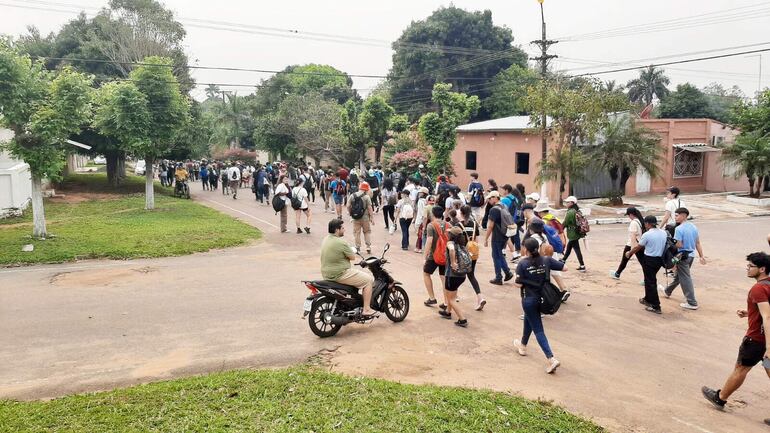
(335, 285)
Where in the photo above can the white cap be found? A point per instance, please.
(571, 199)
(534, 196)
(421, 166)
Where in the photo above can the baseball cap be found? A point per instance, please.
(571, 199)
(493, 194)
(533, 196)
(364, 186)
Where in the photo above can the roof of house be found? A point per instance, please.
(512, 123)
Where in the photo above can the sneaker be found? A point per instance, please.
(687, 306)
(654, 310)
(430, 302)
(462, 323)
(767, 421)
(480, 305)
(712, 395)
(445, 314)
(284, 231)
(614, 275)
(496, 282)
(565, 295)
(553, 365)
(581, 268)
(522, 316)
(299, 231)
(522, 349)
(644, 302)
(516, 254)
(663, 291)
(508, 276)
(442, 306)
(307, 230)
(417, 250)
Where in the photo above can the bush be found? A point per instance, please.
(409, 160)
(243, 155)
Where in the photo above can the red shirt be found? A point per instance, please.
(759, 292)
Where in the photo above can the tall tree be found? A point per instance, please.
(353, 131)
(169, 115)
(234, 119)
(687, 102)
(42, 109)
(509, 88)
(453, 46)
(212, 91)
(652, 83)
(314, 123)
(376, 117)
(722, 100)
(438, 128)
(576, 115)
(751, 150)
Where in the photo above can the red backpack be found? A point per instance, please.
(439, 252)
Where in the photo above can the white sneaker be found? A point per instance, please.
(481, 305)
(522, 349)
(687, 306)
(614, 275)
(553, 365)
(522, 316)
(663, 291)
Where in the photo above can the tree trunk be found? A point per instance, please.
(121, 166)
(149, 191)
(112, 168)
(378, 152)
(38, 212)
(751, 185)
(361, 158)
(760, 184)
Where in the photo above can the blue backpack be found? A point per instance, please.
(477, 194)
(553, 238)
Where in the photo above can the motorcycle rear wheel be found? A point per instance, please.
(397, 304)
(320, 312)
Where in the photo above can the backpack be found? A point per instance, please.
(582, 224)
(407, 211)
(507, 223)
(233, 176)
(296, 202)
(477, 197)
(464, 260)
(472, 246)
(339, 188)
(392, 200)
(357, 207)
(278, 203)
(671, 254)
(553, 239)
(439, 253)
(550, 295)
(308, 182)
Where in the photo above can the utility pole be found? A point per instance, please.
(544, 44)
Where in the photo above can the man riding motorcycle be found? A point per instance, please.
(336, 255)
(181, 176)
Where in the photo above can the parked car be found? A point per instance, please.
(100, 160)
(141, 167)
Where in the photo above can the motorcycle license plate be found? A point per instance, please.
(308, 303)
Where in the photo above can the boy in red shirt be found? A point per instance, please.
(754, 347)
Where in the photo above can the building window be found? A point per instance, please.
(688, 164)
(470, 160)
(522, 163)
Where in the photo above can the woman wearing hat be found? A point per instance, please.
(573, 234)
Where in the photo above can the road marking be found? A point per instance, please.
(689, 424)
(243, 213)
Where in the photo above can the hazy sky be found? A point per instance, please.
(738, 23)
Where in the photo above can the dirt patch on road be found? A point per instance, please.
(100, 278)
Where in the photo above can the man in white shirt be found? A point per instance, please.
(234, 178)
(673, 202)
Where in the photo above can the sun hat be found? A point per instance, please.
(534, 197)
(542, 206)
(424, 190)
(571, 199)
(493, 194)
(364, 186)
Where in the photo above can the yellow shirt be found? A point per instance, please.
(180, 174)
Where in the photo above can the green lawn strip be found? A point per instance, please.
(300, 399)
(120, 228)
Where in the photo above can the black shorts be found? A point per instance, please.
(431, 266)
(454, 282)
(751, 352)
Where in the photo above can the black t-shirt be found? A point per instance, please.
(531, 273)
(497, 233)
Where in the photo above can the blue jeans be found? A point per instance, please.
(501, 266)
(405, 223)
(534, 323)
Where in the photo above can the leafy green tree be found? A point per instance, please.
(234, 119)
(509, 88)
(453, 46)
(751, 153)
(575, 116)
(438, 128)
(687, 102)
(652, 83)
(722, 100)
(169, 115)
(212, 91)
(376, 117)
(353, 131)
(330, 82)
(622, 148)
(313, 122)
(42, 109)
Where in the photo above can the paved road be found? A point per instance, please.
(98, 324)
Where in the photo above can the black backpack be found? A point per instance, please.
(308, 182)
(671, 254)
(357, 208)
(550, 295)
(296, 202)
(278, 203)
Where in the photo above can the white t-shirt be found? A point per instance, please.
(674, 204)
(634, 231)
(233, 173)
(412, 191)
(405, 209)
(301, 193)
(282, 188)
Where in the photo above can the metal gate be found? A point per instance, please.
(595, 184)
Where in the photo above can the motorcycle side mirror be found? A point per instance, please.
(385, 250)
(356, 251)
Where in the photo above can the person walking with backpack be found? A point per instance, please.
(498, 226)
(533, 273)
(420, 216)
(635, 231)
(360, 210)
(654, 243)
(282, 193)
(476, 196)
(492, 186)
(405, 215)
(755, 347)
(435, 252)
(213, 177)
(234, 179)
(339, 192)
(673, 202)
(308, 183)
(389, 200)
(471, 229)
(687, 241)
(204, 174)
(574, 231)
(300, 204)
(512, 203)
(458, 264)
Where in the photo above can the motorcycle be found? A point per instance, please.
(182, 189)
(331, 305)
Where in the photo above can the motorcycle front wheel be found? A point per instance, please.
(397, 304)
(187, 192)
(319, 318)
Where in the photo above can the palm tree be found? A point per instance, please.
(569, 161)
(212, 91)
(651, 83)
(622, 149)
(232, 116)
(751, 153)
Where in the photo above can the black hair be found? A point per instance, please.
(335, 225)
(638, 215)
(682, 210)
(760, 260)
(475, 175)
(651, 220)
(492, 183)
(516, 193)
(674, 190)
(466, 211)
(437, 211)
(575, 206)
(533, 247)
(508, 187)
(387, 184)
(520, 187)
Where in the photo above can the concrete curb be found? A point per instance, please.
(759, 213)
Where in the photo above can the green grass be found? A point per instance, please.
(301, 399)
(118, 227)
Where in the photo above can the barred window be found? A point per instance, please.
(688, 164)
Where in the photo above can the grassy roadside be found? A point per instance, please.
(301, 399)
(113, 224)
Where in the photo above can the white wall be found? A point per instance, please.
(15, 184)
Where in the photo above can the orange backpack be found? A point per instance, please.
(439, 252)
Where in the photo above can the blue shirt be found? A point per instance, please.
(334, 187)
(654, 242)
(686, 233)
